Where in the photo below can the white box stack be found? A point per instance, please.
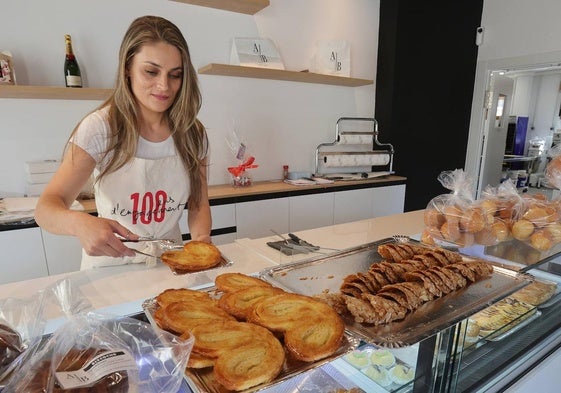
(39, 173)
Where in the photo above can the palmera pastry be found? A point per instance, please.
(180, 317)
(230, 282)
(249, 365)
(213, 340)
(194, 257)
(240, 302)
(179, 294)
(312, 329)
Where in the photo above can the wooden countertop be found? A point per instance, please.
(264, 188)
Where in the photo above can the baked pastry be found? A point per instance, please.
(240, 302)
(472, 220)
(179, 294)
(255, 363)
(197, 360)
(535, 293)
(230, 282)
(378, 374)
(194, 257)
(522, 229)
(358, 358)
(181, 317)
(315, 338)
(541, 240)
(382, 357)
(401, 374)
(508, 311)
(312, 329)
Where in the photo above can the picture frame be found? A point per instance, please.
(7, 70)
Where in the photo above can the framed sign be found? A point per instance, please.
(255, 52)
(7, 72)
(332, 58)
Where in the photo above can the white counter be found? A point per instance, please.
(122, 289)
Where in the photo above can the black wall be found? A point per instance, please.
(424, 88)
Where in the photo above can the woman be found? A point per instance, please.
(146, 149)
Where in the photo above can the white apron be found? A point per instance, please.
(147, 197)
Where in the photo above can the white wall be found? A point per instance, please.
(517, 33)
(282, 122)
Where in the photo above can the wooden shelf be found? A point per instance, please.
(249, 7)
(53, 92)
(283, 75)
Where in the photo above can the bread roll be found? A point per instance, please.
(500, 230)
(554, 232)
(541, 240)
(433, 218)
(472, 220)
(522, 229)
(450, 231)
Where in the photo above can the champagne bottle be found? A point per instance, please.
(72, 75)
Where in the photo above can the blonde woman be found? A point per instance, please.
(146, 150)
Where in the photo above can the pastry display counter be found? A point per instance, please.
(441, 362)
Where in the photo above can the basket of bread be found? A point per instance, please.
(248, 333)
(500, 215)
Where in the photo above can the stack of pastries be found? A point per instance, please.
(247, 334)
(410, 276)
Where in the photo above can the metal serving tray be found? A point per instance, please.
(204, 381)
(318, 275)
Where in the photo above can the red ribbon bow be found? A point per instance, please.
(247, 164)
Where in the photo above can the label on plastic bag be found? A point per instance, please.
(101, 365)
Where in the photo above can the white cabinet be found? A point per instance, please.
(223, 220)
(23, 255)
(256, 218)
(388, 200)
(63, 253)
(310, 211)
(361, 204)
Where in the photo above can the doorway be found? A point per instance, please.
(535, 94)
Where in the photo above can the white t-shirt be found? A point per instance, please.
(93, 133)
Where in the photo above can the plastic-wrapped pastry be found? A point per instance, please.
(522, 229)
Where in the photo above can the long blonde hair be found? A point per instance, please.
(189, 134)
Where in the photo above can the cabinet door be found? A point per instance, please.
(23, 255)
(63, 253)
(388, 200)
(256, 219)
(223, 217)
(353, 205)
(311, 211)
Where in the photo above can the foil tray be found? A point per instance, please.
(318, 275)
(203, 379)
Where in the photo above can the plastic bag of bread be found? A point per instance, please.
(454, 217)
(21, 325)
(501, 205)
(538, 222)
(93, 352)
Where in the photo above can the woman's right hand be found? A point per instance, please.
(98, 237)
